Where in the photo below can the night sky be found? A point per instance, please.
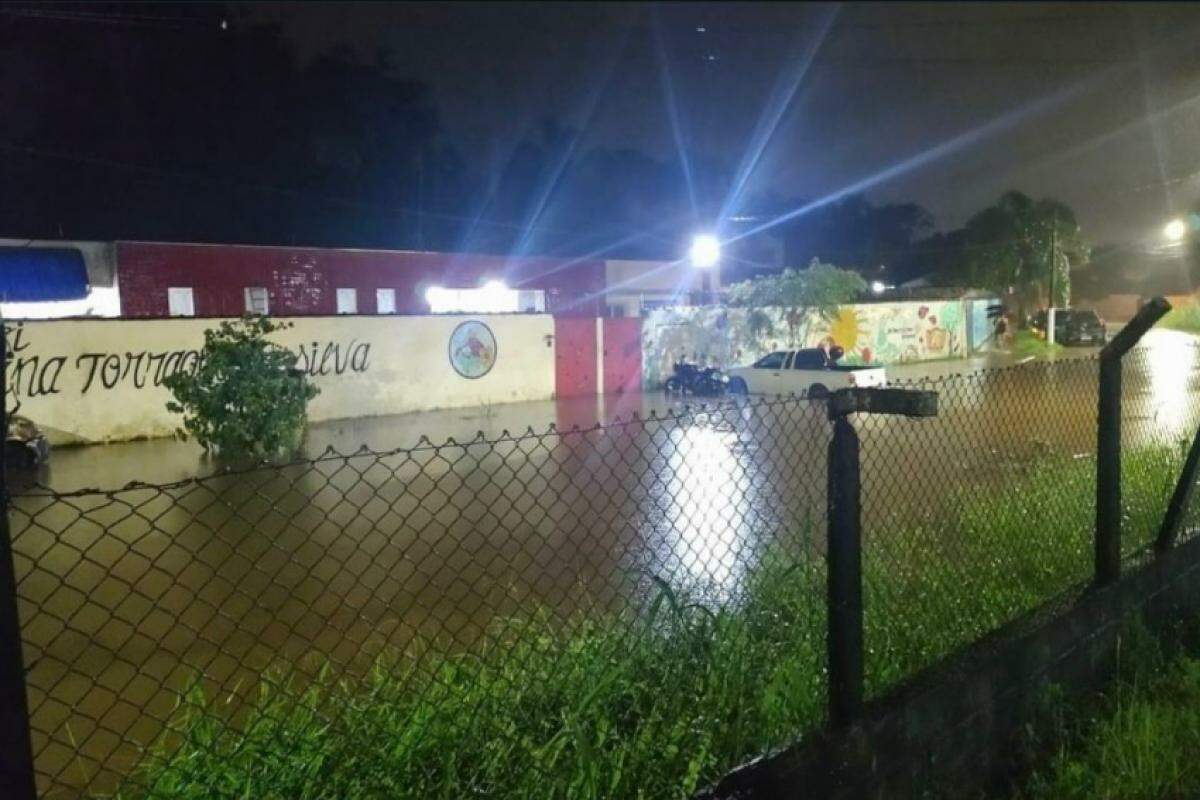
(944, 104)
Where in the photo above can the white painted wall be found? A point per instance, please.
(97, 380)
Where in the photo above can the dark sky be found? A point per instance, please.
(945, 104)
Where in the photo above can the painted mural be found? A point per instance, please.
(472, 349)
(876, 333)
(101, 380)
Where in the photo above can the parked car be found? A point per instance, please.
(1072, 326)
(801, 371)
(25, 446)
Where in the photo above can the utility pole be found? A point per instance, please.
(1053, 270)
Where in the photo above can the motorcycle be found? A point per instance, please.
(691, 378)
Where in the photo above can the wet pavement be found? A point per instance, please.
(127, 596)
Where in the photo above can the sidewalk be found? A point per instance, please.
(995, 359)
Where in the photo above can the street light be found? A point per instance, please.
(705, 254)
(877, 287)
(1175, 230)
(706, 251)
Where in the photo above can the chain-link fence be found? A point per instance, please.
(1160, 419)
(623, 611)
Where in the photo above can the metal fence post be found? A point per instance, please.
(845, 615)
(1108, 441)
(16, 750)
(844, 599)
(1108, 472)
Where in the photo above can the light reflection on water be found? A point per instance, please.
(1172, 366)
(707, 487)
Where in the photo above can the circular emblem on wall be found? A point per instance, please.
(472, 349)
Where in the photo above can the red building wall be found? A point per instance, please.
(303, 281)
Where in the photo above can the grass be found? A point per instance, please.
(1025, 343)
(659, 703)
(1138, 739)
(1182, 318)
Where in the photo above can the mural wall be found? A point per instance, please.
(101, 380)
(876, 333)
(981, 329)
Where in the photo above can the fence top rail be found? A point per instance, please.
(1132, 333)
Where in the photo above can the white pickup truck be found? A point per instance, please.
(800, 371)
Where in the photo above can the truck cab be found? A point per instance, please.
(810, 371)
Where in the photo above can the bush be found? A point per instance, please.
(1025, 343)
(246, 398)
(822, 287)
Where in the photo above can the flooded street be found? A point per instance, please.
(464, 517)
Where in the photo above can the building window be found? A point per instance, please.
(180, 302)
(347, 301)
(493, 298)
(256, 300)
(385, 301)
(531, 301)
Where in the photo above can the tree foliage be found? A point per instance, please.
(1024, 244)
(821, 287)
(246, 399)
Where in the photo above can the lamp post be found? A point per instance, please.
(1053, 271)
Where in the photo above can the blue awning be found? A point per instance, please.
(33, 274)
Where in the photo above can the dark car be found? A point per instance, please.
(1072, 326)
(25, 446)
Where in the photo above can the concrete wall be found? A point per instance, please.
(100, 380)
(870, 333)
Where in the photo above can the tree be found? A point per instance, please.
(821, 287)
(1026, 246)
(245, 399)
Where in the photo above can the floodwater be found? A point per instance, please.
(127, 595)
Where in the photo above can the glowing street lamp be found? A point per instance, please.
(1175, 230)
(705, 254)
(877, 287)
(706, 251)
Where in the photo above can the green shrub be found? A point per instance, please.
(1025, 343)
(246, 399)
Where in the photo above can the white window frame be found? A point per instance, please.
(382, 295)
(181, 301)
(343, 294)
(250, 293)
